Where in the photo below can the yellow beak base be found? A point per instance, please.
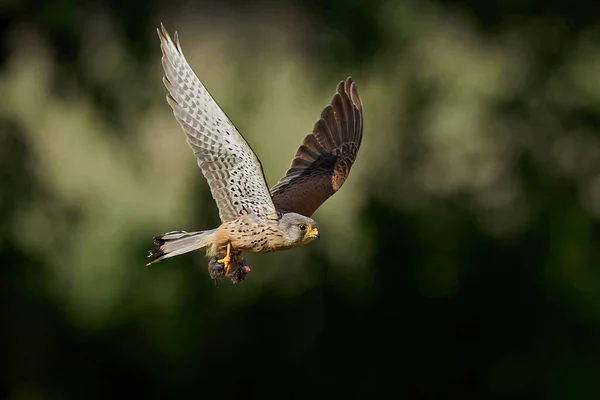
(313, 234)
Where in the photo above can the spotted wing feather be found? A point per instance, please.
(233, 171)
(323, 161)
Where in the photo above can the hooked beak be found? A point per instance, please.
(313, 234)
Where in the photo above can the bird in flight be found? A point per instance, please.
(254, 218)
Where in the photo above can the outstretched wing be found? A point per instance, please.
(233, 171)
(323, 161)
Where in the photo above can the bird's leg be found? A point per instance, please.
(226, 261)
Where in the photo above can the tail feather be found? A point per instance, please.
(175, 243)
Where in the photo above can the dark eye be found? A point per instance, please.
(302, 227)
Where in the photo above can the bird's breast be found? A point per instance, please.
(249, 233)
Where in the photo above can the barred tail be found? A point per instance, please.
(175, 243)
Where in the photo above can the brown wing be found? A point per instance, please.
(323, 161)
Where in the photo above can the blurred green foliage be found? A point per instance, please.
(460, 260)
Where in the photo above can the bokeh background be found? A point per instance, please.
(461, 259)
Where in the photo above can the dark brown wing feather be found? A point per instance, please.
(323, 161)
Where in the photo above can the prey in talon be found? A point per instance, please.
(237, 272)
(253, 217)
(226, 261)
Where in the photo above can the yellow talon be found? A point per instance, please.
(226, 261)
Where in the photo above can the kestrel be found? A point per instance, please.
(254, 218)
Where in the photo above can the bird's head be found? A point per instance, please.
(298, 229)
